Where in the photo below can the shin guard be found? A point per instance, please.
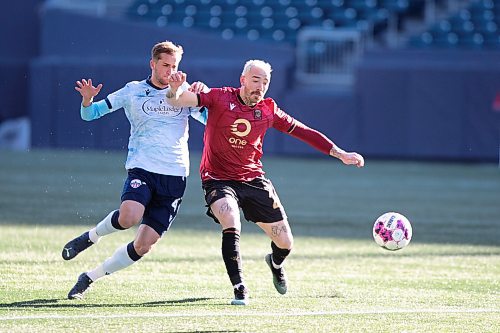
(279, 255)
(231, 255)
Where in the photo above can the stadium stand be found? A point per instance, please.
(472, 27)
(475, 26)
(367, 83)
(330, 36)
(277, 21)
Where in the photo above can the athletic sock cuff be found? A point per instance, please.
(114, 221)
(132, 253)
(231, 231)
(279, 254)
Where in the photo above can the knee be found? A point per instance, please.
(227, 213)
(128, 219)
(285, 242)
(143, 247)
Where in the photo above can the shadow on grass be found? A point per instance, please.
(63, 303)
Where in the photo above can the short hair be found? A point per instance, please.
(166, 47)
(257, 63)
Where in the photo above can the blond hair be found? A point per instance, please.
(166, 47)
(257, 63)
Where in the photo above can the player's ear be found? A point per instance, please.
(151, 64)
(242, 80)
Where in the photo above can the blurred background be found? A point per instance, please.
(402, 79)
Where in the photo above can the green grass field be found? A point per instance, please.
(446, 280)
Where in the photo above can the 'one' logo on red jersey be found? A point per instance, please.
(241, 127)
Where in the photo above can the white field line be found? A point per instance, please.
(249, 314)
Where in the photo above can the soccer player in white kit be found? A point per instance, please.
(157, 163)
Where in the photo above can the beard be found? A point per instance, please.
(255, 96)
(164, 82)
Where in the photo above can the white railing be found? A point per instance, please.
(328, 56)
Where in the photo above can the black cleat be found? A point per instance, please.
(240, 296)
(279, 277)
(76, 246)
(81, 287)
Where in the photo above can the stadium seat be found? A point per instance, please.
(473, 27)
(281, 20)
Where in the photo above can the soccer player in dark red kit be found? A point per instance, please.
(231, 169)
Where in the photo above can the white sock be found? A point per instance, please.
(94, 237)
(119, 260)
(103, 228)
(96, 273)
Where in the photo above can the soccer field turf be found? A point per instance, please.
(446, 280)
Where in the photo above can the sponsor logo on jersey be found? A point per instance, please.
(135, 183)
(240, 128)
(236, 127)
(155, 106)
(232, 106)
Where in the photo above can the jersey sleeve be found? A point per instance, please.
(286, 123)
(282, 121)
(312, 137)
(200, 114)
(119, 99)
(207, 99)
(94, 111)
(112, 102)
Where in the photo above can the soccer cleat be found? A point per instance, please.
(76, 246)
(240, 296)
(81, 287)
(279, 277)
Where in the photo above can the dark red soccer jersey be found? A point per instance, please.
(234, 134)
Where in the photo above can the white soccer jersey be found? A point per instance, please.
(159, 132)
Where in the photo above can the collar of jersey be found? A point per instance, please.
(148, 81)
(241, 100)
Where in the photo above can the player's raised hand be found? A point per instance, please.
(177, 98)
(87, 90)
(198, 87)
(176, 80)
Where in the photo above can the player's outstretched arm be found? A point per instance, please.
(322, 143)
(177, 98)
(87, 90)
(90, 110)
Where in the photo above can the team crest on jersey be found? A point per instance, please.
(257, 114)
(135, 183)
(156, 106)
